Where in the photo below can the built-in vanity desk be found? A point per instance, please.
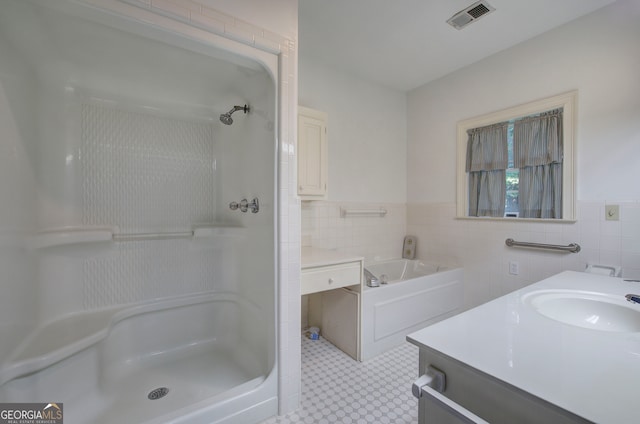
(324, 269)
(334, 282)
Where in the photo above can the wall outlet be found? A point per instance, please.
(612, 212)
(514, 268)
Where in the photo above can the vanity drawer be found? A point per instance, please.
(330, 277)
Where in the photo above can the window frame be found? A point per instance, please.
(568, 101)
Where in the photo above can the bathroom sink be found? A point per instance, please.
(595, 311)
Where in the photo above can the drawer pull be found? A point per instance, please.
(330, 280)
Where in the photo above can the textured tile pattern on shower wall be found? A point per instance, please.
(143, 270)
(145, 173)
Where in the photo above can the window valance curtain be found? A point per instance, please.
(487, 161)
(537, 150)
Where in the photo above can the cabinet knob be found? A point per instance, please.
(330, 280)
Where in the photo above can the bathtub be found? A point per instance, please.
(193, 359)
(414, 295)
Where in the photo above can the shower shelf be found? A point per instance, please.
(219, 231)
(84, 235)
(71, 235)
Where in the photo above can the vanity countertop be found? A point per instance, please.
(314, 257)
(591, 373)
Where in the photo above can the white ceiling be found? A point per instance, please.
(404, 44)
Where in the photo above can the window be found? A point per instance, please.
(501, 173)
(511, 207)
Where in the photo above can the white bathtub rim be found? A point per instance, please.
(20, 364)
(441, 267)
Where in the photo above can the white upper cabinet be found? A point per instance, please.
(312, 154)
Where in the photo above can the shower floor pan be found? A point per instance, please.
(179, 382)
(154, 363)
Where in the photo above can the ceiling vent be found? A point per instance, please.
(470, 14)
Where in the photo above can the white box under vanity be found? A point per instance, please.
(563, 350)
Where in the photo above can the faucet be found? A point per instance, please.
(244, 205)
(372, 280)
(633, 298)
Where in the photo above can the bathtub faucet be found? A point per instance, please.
(633, 298)
(371, 280)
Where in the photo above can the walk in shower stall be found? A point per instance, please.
(137, 229)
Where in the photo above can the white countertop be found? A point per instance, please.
(313, 257)
(593, 374)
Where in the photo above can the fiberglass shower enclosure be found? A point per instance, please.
(130, 290)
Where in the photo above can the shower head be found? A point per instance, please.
(226, 119)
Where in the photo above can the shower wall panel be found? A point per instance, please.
(146, 173)
(143, 270)
(18, 90)
(102, 128)
(138, 173)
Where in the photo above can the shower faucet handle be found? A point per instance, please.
(254, 205)
(245, 205)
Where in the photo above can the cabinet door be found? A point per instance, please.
(312, 153)
(341, 320)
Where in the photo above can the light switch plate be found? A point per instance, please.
(612, 212)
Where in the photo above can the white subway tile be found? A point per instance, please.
(141, 3)
(218, 16)
(247, 27)
(171, 7)
(611, 243)
(238, 34)
(267, 44)
(610, 257)
(207, 23)
(193, 6)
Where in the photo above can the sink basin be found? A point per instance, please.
(596, 311)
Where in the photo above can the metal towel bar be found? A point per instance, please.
(572, 247)
(381, 212)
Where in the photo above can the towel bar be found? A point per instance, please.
(572, 247)
(362, 212)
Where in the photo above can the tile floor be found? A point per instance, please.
(337, 389)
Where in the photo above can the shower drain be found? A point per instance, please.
(158, 393)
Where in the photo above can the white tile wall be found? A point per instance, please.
(479, 245)
(217, 22)
(374, 237)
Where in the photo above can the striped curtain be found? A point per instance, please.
(487, 160)
(537, 150)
